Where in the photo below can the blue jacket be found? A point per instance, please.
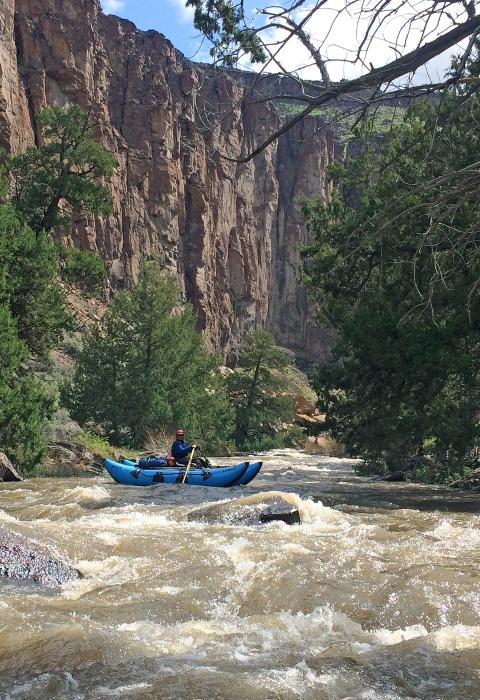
(180, 449)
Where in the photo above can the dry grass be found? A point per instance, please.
(158, 441)
(63, 471)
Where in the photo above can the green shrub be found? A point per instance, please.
(72, 344)
(145, 367)
(84, 269)
(94, 442)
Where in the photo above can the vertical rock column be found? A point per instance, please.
(15, 127)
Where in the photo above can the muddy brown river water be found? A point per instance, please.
(375, 596)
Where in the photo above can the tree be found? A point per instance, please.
(145, 366)
(373, 49)
(25, 402)
(84, 269)
(220, 21)
(48, 184)
(62, 176)
(398, 276)
(256, 388)
(29, 287)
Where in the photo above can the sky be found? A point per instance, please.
(175, 21)
(170, 17)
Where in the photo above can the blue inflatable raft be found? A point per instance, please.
(130, 474)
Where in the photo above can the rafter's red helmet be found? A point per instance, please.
(179, 433)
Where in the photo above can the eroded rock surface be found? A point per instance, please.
(24, 560)
(230, 232)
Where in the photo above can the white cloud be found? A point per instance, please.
(185, 14)
(339, 33)
(111, 6)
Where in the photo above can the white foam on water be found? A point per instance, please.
(103, 691)
(448, 638)
(7, 518)
(456, 638)
(294, 548)
(297, 680)
(390, 637)
(168, 590)
(111, 571)
(85, 494)
(244, 639)
(378, 695)
(452, 535)
(128, 518)
(109, 538)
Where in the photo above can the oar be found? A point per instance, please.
(188, 465)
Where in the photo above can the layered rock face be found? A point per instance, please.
(230, 232)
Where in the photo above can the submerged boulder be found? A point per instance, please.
(280, 509)
(24, 560)
(257, 509)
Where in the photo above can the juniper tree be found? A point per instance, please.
(398, 276)
(145, 367)
(256, 390)
(47, 182)
(63, 175)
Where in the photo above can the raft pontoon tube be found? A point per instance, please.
(130, 474)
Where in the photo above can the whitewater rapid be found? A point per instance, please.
(376, 595)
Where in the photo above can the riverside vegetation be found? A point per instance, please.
(394, 266)
(145, 365)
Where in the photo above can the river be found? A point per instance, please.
(375, 596)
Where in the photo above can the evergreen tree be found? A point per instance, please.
(256, 388)
(61, 177)
(145, 366)
(397, 275)
(29, 286)
(223, 23)
(25, 402)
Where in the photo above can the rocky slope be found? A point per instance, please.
(230, 232)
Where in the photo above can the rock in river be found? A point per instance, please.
(7, 470)
(24, 560)
(260, 508)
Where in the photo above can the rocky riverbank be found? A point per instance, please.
(22, 559)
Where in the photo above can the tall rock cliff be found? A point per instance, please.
(231, 232)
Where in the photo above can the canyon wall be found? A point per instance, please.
(230, 232)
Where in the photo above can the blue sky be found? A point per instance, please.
(170, 17)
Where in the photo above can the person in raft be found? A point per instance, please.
(181, 450)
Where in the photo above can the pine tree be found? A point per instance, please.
(39, 190)
(256, 389)
(61, 177)
(25, 402)
(146, 367)
(29, 269)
